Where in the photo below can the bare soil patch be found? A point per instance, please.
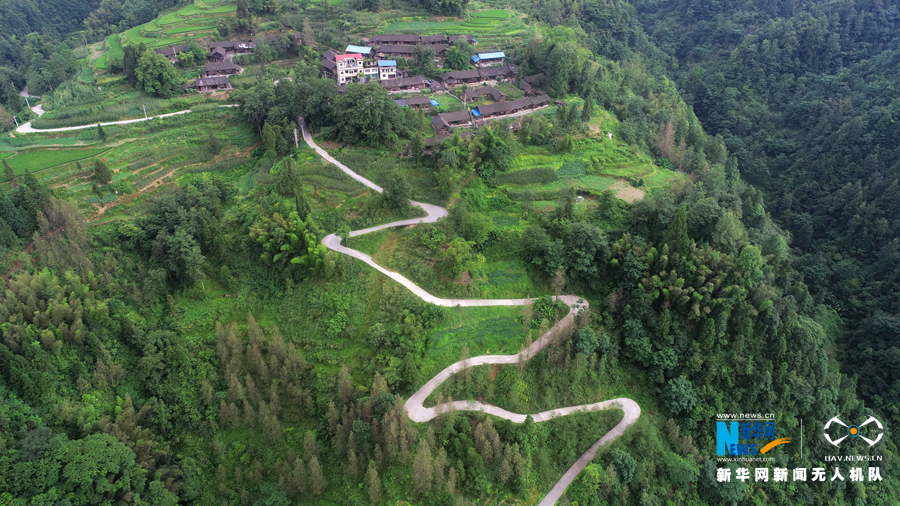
(627, 192)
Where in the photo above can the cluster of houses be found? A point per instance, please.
(375, 60)
(534, 99)
(219, 66)
(443, 123)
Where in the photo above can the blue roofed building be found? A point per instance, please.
(488, 59)
(363, 50)
(387, 69)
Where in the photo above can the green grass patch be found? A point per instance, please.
(39, 160)
(100, 63)
(86, 75)
(134, 36)
(511, 90)
(194, 11)
(537, 175)
(496, 13)
(168, 19)
(186, 29)
(484, 330)
(152, 27)
(116, 53)
(368, 243)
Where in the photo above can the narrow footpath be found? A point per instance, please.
(415, 405)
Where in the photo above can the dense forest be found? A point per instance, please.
(204, 347)
(804, 95)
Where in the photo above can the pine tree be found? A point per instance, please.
(310, 447)
(587, 110)
(300, 202)
(214, 144)
(101, 134)
(353, 464)
(102, 174)
(423, 468)
(417, 146)
(8, 171)
(677, 236)
(297, 478)
(374, 484)
(345, 388)
(235, 390)
(309, 39)
(228, 414)
(317, 481)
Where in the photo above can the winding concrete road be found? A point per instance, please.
(27, 128)
(415, 404)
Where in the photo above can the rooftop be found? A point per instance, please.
(387, 63)
(392, 48)
(221, 66)
(488, 56)
(403, 81)
(358, 49)
(342, 57)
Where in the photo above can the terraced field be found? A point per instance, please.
(140, 154)
(482, 23)
(191, 22)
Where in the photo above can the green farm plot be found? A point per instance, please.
(491, 21)
(39, 160)
(161, 42)
(86, 75)
(594, 164)
(147, 153)
(496, 13)
(116, 53)
(186, 29)
(168, 19)
(194, 11)
(152, 27)
(484, 330)
(134, 36)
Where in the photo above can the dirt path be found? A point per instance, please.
(415, 404)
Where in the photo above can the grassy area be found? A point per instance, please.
(186, 29)
(494, 330)
(129, 105)
(139, 154)
(36, 161)
(198, 19)
(116, 53)
(493, 22)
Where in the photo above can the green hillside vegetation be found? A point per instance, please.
(169, 309)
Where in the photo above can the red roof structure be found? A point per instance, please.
(341, 57)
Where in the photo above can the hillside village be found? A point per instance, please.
(383, 60)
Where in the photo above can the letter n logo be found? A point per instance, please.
(725, 437)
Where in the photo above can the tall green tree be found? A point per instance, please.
(156, 75)
(102, 173)
(382, 123)
(8, 171)
(397, 190)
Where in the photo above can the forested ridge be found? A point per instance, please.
(199, 345)
(805, 97)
